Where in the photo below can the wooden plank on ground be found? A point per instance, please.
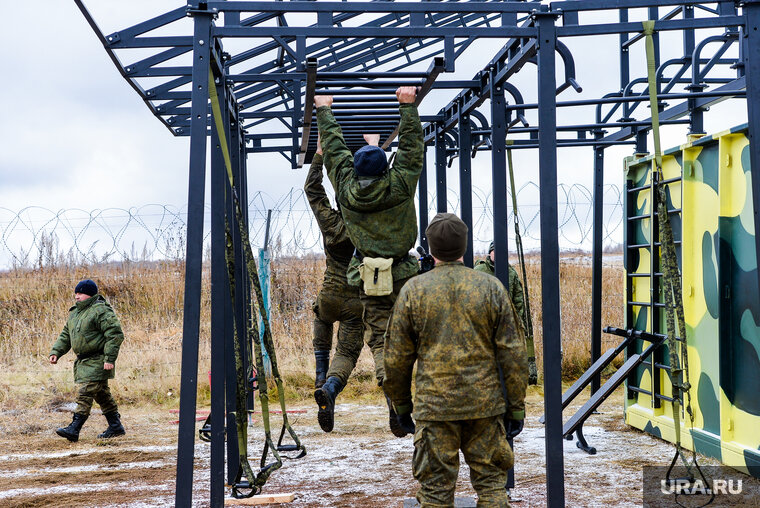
(261, 499)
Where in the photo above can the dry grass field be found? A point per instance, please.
(148, 298)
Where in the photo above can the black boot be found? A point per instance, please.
(72, 431)
(114, 426)
(393, 420)
(323, 364)
(325, 398)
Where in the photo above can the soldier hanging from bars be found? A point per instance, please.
(377, 205)
(337, 300)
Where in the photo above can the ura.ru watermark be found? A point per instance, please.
(719, 486)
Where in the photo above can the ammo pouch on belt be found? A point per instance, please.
(377, 275)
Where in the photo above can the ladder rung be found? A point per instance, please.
(645, 304)
(647, 187)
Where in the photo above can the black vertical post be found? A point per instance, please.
(193, 262)
(499, 180)
(465, 181)
(220, 304)
(440, 170)
(547, 166)
(596, 262)
(752, 72)
(625, 62)
(422, 186)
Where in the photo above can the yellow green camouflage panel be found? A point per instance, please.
(457, 325)
(710, 199)
(380, 216)
(338, 247)
(93, 333)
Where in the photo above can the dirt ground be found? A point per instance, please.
(359, 464)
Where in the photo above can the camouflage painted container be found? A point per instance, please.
(710, 205)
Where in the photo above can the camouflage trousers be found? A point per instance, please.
(377, 313)
(329, 308)
(435, 463)
(97, 391)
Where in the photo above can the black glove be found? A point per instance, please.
(513, 427)
(406, 423)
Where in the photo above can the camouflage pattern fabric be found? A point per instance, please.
(377, 311)
(329, 308)
(92, 331)
(435, 463)
(515, 286)
(380, 215)
(337, 301)
(338, 247)
(97, 391)
(458, 325)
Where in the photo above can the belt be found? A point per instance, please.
(396, 261)
(89, 355)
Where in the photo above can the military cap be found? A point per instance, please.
(87, 287)
(370, 160)
(447, 236)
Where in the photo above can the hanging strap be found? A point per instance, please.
(253, 483)
(673, 297)
(527, 319)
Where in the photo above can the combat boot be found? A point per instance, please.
(115, 427)
(323, 364)
(72, 431)
(325, 397)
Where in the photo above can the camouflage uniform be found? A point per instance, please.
(337, 301)
(458, 325)
(515, 286)
(380, 215)
(94, 333)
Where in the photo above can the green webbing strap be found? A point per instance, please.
(527, 319)
(266, 470)
(671, 276)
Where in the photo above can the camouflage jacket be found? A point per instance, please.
(380, 216)
(94, 333)
(459, 326)
(515, 286)
(338, 247)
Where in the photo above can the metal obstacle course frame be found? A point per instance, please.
(286, 51)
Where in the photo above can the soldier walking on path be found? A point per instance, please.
(94, 333)
(377, 205)
(337, 301)
(460, 327)
(518, 300)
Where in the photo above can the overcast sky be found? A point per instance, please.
(75, 135)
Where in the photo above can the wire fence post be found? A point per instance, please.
(264, 261)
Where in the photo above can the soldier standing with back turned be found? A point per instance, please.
(337, 300)
(377, 205)
(460, 327)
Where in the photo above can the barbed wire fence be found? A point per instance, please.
(36, 236)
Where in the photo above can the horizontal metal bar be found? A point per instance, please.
(600, 5)
(657, 274)
(646, 245)
(372, 7)
(659, 26)
(370, 75)
(401, 32)
(658, 365)
(645, 304)
(635, 98)
(647, 392)
(649, 186)
(587, 127)
(154, 42)
(262, 77)
(649, 215)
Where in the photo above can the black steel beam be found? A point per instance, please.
(465, 182)
(550, 303)
(193, 265)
